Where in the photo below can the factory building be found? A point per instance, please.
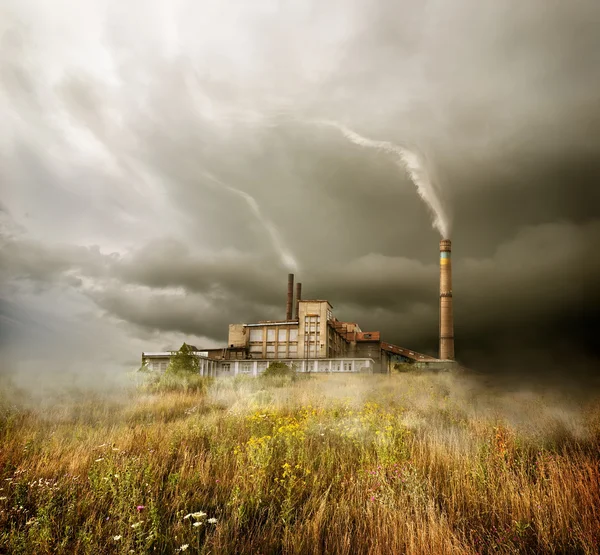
(311, 339)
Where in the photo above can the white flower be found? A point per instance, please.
(212, 520)
(100, 459)
(196, 524)
(117, 538)
(197, 515)
(184, 547)
(137, 524)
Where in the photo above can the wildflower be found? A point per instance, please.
(137, 524)
(197, 515)
(100, 459)
(117, 538)
(196, 524)
(140, 508)
(212, 520)
(184, 547)
(3, 498)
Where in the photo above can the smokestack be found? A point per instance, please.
(290, 298)
(446, 315)
(298, 298)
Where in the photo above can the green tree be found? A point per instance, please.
(184, 361)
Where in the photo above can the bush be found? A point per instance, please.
(404, 367)
(279, 370)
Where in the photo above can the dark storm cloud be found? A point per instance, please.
(145, 138)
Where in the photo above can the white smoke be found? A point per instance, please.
(286, 257)
(410, 161)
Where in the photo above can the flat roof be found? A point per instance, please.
(269, 323)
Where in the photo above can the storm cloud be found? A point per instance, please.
(136, 139)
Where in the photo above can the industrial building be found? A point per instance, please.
(311, 339)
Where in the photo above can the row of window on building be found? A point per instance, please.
(322, 366)
(256, 334)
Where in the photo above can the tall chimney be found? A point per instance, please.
(446, 316)
(290, 298)
(298, 298)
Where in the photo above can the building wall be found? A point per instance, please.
(238, 336)
(368, 349)
(273, 341)
(312, 328)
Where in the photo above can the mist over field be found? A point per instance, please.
(409, 463)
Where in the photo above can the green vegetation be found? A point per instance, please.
(184, 362)
(278, 369)
(409, 463)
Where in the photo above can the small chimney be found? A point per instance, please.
(446, 313)
(290, 298)
(298, 299)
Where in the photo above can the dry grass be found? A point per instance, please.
(332, 464)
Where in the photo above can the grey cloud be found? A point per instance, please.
(116, 151)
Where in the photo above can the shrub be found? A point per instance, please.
(404, 367)
(279, 369)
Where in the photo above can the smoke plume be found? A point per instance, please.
(286, 257)
(413, 163)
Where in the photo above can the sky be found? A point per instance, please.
(164, 165)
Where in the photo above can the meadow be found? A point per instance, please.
(409, 463)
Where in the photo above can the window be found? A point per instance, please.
(270, 334)
(163, 366)
(282, 335)
(245, 367)
(226, 367)
(294, 334)
(347, 367)
(256, 334)
(293, 349)
(256, 348)
(270, 348)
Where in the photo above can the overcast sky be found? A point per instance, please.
(161, 172)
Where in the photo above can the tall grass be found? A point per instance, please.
(331, 464)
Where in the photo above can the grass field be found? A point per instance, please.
(330, 464)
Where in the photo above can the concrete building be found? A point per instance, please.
(312, 340)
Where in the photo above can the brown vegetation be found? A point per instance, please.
(330, 464)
